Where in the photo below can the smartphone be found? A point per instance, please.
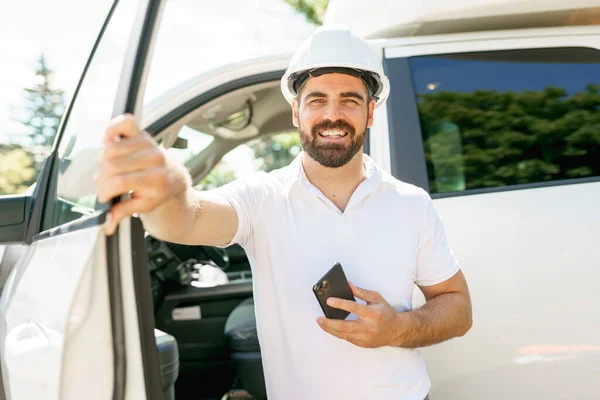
(333, 284)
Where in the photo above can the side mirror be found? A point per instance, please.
(13, 211)
(21, 215)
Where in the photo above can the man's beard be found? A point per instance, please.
(332, 155)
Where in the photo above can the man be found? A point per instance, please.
(332, 204)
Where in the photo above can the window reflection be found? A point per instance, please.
(504, 118)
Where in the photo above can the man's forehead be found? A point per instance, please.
(334, 83)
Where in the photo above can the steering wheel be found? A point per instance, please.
(218, 255)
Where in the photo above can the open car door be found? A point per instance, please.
(76, 316)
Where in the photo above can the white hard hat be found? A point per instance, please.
(335, 49)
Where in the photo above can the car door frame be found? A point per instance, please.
(125, 248)
(130, 243)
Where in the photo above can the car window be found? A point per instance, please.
(189, 143)
(262, 154)
(494, 119)
(81, 143)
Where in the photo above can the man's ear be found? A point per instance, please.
(295, 112)
(371, 113)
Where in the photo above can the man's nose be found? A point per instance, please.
(333, 111)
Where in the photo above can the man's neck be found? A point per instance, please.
(337, 184)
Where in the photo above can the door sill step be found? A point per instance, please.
(238, 394)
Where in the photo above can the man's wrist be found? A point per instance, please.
(401, 323)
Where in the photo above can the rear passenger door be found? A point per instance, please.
(505, 136)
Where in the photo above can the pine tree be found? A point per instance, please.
(44, 107)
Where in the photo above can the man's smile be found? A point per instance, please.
(333, 134)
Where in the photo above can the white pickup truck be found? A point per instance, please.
(494, 110)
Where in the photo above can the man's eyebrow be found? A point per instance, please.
(314, 94)
(354, 95)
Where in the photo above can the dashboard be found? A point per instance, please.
(173, 265)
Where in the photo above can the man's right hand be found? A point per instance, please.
(134, 164)
(160, 190)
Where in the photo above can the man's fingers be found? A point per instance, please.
(139, 161)
(137, 181)
(123, 126)
(357, 337)
(124, 148)
(122, 210)
(364, 294)
(331, 325)
(350, 306)
(338, 334)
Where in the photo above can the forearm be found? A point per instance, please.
(191, 216)
(172, 220)
(175, 218)
(441, 318)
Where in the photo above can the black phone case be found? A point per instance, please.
(336, 286)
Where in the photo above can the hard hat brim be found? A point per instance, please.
(290, 85)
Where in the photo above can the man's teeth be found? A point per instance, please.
(333, 134)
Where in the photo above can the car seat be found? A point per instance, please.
(240, 331)
(168, 355)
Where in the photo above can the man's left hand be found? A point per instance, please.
(377, 324)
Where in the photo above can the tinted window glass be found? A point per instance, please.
(502, 118)
(81, 145)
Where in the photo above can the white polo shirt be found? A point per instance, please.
(388, 238)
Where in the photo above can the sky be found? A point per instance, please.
(195, 36)
(29, 27)
(471, 75)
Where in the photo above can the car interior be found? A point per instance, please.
(203, 304)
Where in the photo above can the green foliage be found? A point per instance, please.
(487, 138)
(276, 151)
(313, 10)
(16, 170)
(220, 175)
(44, 107)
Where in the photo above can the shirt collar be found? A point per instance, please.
(298, 177)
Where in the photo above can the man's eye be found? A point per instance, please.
(316, 101)
(350, 101)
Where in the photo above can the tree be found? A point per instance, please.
(488, 138)
(21, 161)
(16, 171)
(313, 10)
(220, 175)
(44, 107)
(276, 151)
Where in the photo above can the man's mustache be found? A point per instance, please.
(328, 125)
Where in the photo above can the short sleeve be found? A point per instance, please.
(242, 195)
(436, 262)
